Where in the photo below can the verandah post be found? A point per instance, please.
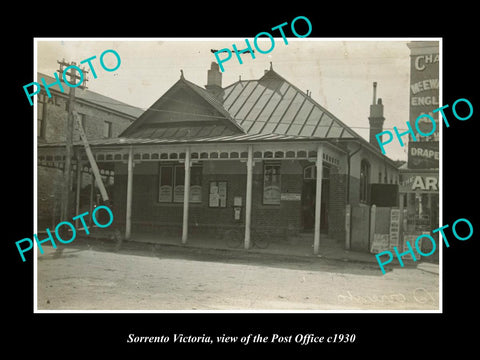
(318, 198)
(248, 197)
(186, 196)
(128, 220)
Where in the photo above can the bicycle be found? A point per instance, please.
(235, 238)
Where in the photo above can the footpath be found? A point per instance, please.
(299, 248)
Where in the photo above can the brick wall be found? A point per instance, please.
(277, 219)
(56, 114)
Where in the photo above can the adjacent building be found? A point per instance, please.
(102, 118)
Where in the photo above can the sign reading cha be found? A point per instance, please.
(422, 60)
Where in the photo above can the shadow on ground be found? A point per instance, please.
(230, 256)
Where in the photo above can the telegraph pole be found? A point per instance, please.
(67, 170)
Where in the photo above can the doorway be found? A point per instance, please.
(309, 197)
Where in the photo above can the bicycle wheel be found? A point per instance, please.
(261, 239)
(233, 238)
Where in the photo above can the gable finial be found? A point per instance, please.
(181, 74)
(271, 66)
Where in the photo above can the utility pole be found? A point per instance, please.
(67, 170)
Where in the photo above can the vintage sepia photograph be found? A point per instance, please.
(274, 181)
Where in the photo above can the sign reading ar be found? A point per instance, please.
(425, 183)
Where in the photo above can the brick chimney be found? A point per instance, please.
(214, 82)
(376, 118)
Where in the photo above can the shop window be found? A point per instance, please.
(172, 183)
(364, 180)
(271, 184)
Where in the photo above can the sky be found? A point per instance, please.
(338, 73)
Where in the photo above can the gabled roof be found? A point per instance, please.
(198, 115)
(274, 105)
(269, 105)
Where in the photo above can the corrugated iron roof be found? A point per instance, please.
(273, 105)
(212, 139)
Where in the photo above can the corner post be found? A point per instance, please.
(318, 198)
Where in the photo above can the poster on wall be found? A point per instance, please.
(222, 193)
(213, 197)
(218, 194)
(271, 195)
(165, 194)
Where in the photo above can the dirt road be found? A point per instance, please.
(144, 277)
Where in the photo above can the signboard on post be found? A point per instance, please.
(423, 155)
(290, 197)
(394, 227)
(426, 182)
(424, 98)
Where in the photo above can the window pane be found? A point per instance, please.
(179, 175)
(196, 184)
(179, 183)
(271, 184)
(165, 188)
